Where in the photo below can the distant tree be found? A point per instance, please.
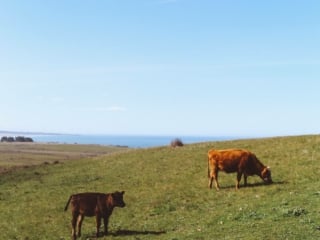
(19, 139)
(28, 139)
(176, 143)
(4, 139)
(16, 139)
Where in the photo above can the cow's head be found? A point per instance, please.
(266, 175)
(117, 199)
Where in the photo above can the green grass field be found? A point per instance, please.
(167, 195)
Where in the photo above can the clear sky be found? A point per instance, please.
(160, 67)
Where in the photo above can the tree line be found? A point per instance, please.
(16, 139)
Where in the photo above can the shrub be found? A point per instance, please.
(176, 143)
(16, 139)
(4, 139)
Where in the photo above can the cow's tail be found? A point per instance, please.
(67, 205)
(208, 168)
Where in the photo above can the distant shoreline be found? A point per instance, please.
(131, 141)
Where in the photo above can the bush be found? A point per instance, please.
(16, 139)
(4, 139)
(176, 143)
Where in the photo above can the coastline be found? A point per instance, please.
(131, 141)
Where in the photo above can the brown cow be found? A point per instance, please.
(235, 160)
(93, 204)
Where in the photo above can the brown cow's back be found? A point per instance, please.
(235, 160)
(92, 204)
(87, 203)
(227, 160)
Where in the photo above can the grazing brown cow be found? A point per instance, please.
(235, 160)
(93, 204)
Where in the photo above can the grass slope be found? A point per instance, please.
(167, 195)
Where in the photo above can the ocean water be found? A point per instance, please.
(129, 141)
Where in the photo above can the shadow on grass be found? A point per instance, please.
(124, 232)
(256, 184)
(260, 184)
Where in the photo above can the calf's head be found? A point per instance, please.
(117, 199)
(266, 175)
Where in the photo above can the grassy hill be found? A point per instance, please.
(167, 195)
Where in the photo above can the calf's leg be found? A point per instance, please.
(74, 225)
(79, 224)
(106, 221)
(98, 221)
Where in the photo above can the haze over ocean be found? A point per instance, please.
(123, 140)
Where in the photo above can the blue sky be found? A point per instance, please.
(160, 67)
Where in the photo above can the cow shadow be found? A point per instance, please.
(262, 184)
(126, 232)
(255, 184)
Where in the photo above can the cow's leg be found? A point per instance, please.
(213, 176)
(79, 224)
(210, 181)
(74, 225)
(98, 220)
(210, 176)
(216, 180)
(245, 179)
(239, 175)
(106, 221)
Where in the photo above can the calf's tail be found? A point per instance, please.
(66, 207)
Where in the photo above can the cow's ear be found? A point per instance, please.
(122, 192)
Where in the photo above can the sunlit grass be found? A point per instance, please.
(167, 195)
